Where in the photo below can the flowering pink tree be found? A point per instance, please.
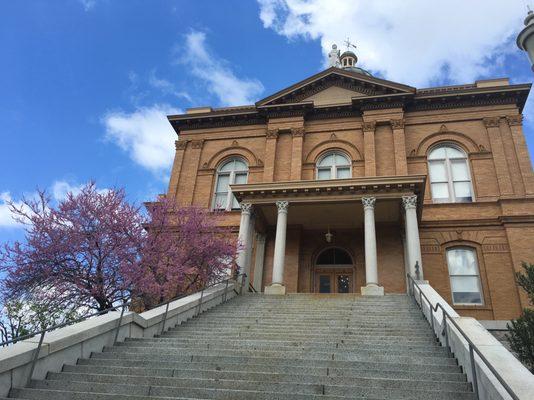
(185, 249)
(75, 252)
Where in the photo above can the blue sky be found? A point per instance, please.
(85, 84)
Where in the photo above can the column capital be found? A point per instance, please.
(272, 133)
(297, 132)
(282, 206)
(368, 202)
(514, 119)
(369, 126)
(180, 144)
(409, 202)
(246, 208)
(197, 144)
(397, 123)
(491, 122)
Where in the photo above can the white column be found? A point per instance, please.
(277, 285)
(244, 237)
(259, 260)
(412, 235)
(371, 262)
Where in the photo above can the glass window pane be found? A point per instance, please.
(324, 283)
(466, 289)
(454, 153)
(222, 183)
(462, 262)
(462, 190)
(323, 173)
(241, 178)
(440, 191)
(438, 172)
(459, 170)
(343, 284)
(228, 166)
(220, 200)
(235, 203)
(343, 173)
(341, 159)
(328, 160)
(240, 166)
(437, 153)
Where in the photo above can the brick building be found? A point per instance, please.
(345, 182)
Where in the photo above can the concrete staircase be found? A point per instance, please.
(260, 347)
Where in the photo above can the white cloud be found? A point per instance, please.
(145, 134)
(88, 4)
(416, 42)
(166, 86)
(6, 217)
(220, 80)
(60, 189)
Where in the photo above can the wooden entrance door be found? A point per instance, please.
(334, 280)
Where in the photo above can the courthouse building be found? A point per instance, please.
(345, 182)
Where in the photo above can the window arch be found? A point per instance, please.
(333, 256)
(233, 170)
(334, 165)
(450, 179)
(464, 275)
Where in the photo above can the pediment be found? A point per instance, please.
(335, 86)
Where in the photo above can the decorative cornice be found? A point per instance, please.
(514, 119)
(197, 144)
(180, 144)
(298, 132)
(397, 123)
(369, 126)
(272, 133)
(491, 122)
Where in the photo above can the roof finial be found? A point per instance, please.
(349, 44)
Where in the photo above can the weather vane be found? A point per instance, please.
(349, 44)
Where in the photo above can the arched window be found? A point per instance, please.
(450, 180)
(234, 170)
(334, 165)
(464, 275)
(334, 256)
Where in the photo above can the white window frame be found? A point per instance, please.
(231, 174)
(448, 172)
(481, 292)
(334, 167)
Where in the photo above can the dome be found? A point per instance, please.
(358, 70)
(348, 53)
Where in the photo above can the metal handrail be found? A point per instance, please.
(472, 347)
(115, 308)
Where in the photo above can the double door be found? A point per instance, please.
(334, 280)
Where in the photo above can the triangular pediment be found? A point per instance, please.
(335, 86)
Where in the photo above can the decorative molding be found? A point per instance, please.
(282, 206)
(491, 122)
(409, 202)
(369, 126)
(368, 202)
(272, 133)
(298, 132)
(259, 163)
(495, 248)
(397, 123)
(514, 119)
(180, 144)
(333, 136)
(235, 143)
(197, 144)
(430, 249)
(443, 128)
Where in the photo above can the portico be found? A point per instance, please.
(301, 214)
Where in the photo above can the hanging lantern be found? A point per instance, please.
(328, 236)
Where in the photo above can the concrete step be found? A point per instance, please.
(241, 390)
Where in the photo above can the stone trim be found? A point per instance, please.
(491, 122)
(369, 126)
(514, 119)
(397, 123)
(180, 144)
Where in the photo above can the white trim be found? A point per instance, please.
(480, 291)
(334, 167)
(231, 180)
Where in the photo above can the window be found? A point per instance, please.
(463, 272)
(334, 165)
(450, 181)
(232, 171)
(334, 256)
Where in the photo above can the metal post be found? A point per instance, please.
(119, 324)
(432, 318)
(417, 274)
(200, 303)
(242, 283)
(35, 357)
(445, 331)
(473, 371)
(421, 300)
(165, 318)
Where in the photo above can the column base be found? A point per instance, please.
(372, 290)
(275, 289)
